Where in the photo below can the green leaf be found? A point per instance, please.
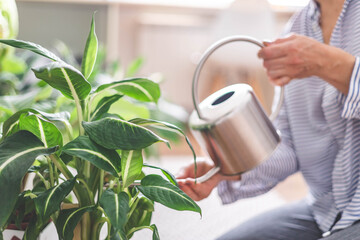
(84, 148)
(44, 130)
(13, 121)
(134, 67)
(90, 51)
(17, 153)
(163, 126)
(116, 207)
(68, 219)
(131, 165)
(65, 78)
(129, 109)
(167, 174)
(21, 101)
(104, 105)
(31, 47)
(117, 234)
(138, 88)
(156, 235)
(49, 201)
(114, 133)
(159, 190)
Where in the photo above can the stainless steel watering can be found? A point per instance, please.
(231, 125)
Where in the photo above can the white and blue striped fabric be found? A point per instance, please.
(320, 132)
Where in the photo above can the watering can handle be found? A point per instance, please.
(207, 54)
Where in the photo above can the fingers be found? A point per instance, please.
(273, 51)
(197, 191)
(275, 63)
(188, 189)
(189, 171)
(280, 81)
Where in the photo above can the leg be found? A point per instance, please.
(293, 221)
(350, 233)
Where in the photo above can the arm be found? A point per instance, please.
(299, 56)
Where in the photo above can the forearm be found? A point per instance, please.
(335, 67)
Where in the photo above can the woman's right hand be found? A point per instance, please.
(198, 191)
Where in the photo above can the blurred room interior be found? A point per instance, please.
(170, 36)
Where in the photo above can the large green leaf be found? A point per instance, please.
(44, 130)
(31, 47)
(163, 126)
(138, 88)
(114, 133)
(13, 121)
(104, 105)
(17, 102)
(116, 207)
(159, 190)
(48, 202)
(68, 219)
(131, 165)
(17, 153)
(167, 174)
(90, 51)
(117, 235)
(65, 78)
(106, 159)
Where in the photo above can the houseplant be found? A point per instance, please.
(97, 163)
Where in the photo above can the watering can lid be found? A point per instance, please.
(220, 104)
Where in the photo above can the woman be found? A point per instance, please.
(320, 127)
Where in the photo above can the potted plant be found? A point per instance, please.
(97, 164)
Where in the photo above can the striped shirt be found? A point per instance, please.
(320, 130)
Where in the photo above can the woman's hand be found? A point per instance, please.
(198, 191)
(299, 56)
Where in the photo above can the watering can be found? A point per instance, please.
(231, 124)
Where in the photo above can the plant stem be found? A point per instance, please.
(69, 130)
(97, 228)
(87, 188)
(61, 166)
(85, 226)
(68, 175)
(51, 172)
(101, 184)
(133, 206)
(46, 183)
(137, 229)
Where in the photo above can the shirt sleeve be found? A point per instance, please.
(351, 107)
(281, 164)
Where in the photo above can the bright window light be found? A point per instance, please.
(289, 3)
(221, 4)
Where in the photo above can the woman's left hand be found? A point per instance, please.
(299, 56)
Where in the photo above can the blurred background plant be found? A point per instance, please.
(19, 89)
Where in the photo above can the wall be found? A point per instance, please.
(170, 38)
(44, 23)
